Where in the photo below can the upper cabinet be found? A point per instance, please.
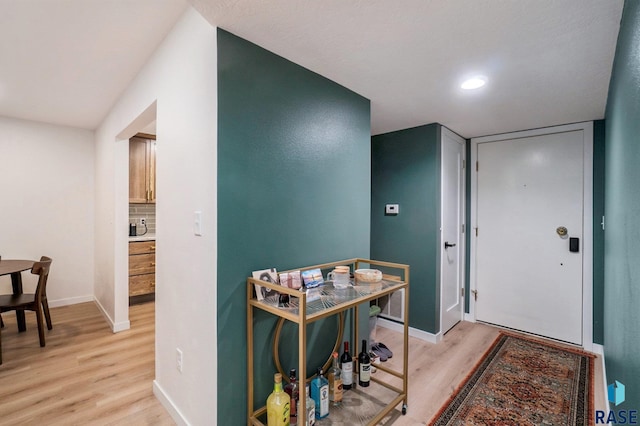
(142, 169)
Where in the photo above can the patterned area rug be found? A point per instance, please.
(523, 382)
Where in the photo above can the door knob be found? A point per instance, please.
(447, 244)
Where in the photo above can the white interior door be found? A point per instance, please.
(452, 248)
(526, 276)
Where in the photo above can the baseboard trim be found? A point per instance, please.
(70, 301)
(599, 350)
(168, 404)
(413, 332)
(469, 318)
(115, 327)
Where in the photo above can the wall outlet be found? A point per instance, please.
(179, 359)
(143, 221)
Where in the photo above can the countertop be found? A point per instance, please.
(147, 237)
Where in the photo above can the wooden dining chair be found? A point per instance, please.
(36, 302)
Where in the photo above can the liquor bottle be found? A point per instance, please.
(335, 383)
(278, 404)
(364, 366)
(320, 394)
(346, 362)
(291, 389)
(310, 419)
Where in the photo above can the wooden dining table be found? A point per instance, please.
(15, 267)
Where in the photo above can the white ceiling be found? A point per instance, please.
(547, 61)
(67, 61)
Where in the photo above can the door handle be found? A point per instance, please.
(447, 244)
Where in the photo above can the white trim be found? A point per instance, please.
(599, 350)
(70, 301)
(462, 212)
(587, 232)
(168, 404)
(469, 318)
(115, 327)
(413, 332)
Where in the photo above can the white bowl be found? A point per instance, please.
(368, 275)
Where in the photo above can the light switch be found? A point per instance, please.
(392, 209)
(197, 223)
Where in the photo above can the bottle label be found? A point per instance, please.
(311, 416)
(324, 400)
(337, 390)
(286, 415)
(294, 408)
(347, 373)
(365, 372)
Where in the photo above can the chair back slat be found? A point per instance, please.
(41, 269)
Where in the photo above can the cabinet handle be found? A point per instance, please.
(152, 247)
(153, 263)
(150, 194)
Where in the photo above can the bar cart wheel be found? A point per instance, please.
(404, 409)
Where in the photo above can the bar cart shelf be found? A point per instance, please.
(327, 302)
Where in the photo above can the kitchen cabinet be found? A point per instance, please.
(305, 307)
(142, 169)
(142, 268)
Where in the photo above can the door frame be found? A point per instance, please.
(587, 217)
(461, 222)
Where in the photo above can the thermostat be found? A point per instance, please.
(392, 209)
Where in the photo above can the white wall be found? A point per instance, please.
(179, 84)
(47, 208)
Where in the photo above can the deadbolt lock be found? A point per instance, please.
(561, 230)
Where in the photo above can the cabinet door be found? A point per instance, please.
(142, 247)
(138, 170)
(142, 284)
(142, 264)
(151, 170)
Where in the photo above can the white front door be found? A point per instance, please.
(452, 247)
(529, 190)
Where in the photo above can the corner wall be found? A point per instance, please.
(47, 175)
(622, 212)
(293, 190)
(178, 84)
(405, 170)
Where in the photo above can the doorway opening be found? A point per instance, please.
(136, 204)
(142, 216)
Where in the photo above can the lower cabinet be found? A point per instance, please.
(142, 268)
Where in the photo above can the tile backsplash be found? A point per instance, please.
(147, 211)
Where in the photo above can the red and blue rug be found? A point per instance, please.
(521, 382)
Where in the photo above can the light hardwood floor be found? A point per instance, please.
(86, 375)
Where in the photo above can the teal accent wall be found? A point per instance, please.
(405, 170)
(293, 190)
(622, 212)
(598, 232)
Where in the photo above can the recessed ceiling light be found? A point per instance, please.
(473, 83)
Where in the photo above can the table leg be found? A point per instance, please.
(16, 283)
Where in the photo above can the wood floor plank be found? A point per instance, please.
(85, 374)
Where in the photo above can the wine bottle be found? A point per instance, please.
(346, 362)
(364, 366)
(320, 394)
(278, 404)
(292, 390)
(335, 383)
